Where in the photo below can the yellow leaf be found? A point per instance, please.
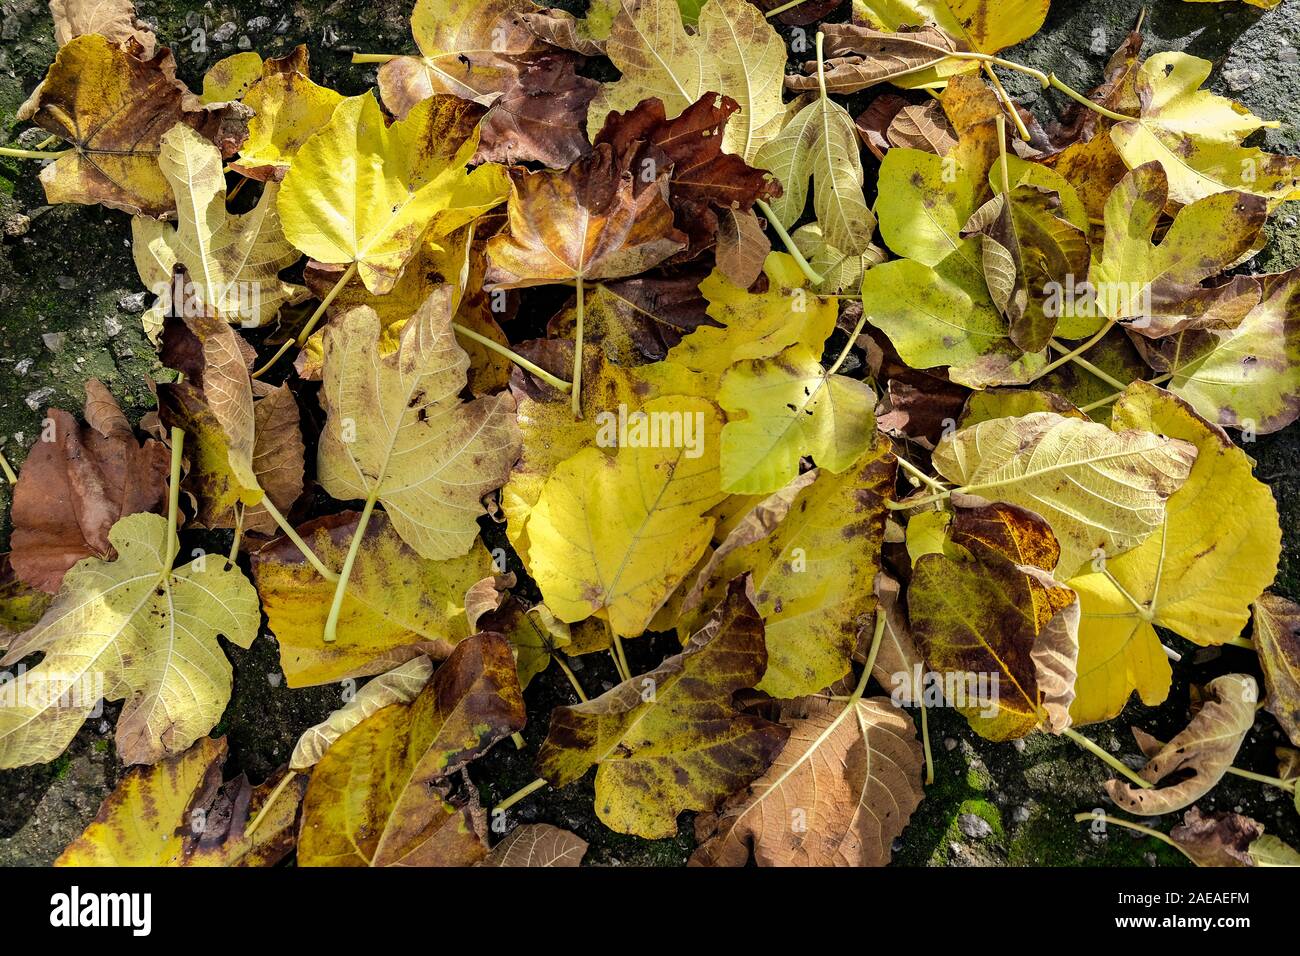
(173, 814)
(396, 431)
(130, 629)
(1213, 554)
(619, 532)
(396, 605)
(1197, 136)
(288, 109)
(786, 407)
(362, 192)
(671, 739)
(380, 797)
(232, 263)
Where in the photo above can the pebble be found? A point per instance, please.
(225, 33)
(1019, 744)
(258, 24)
(23, 366)
(949, 743)
(1149, 858)
(132, 304)
(17, 225)
(1020, 814)
(973, 826)
(1238, 80)
(54, 341)
(38, 398)
(66, 283)
(112, 326)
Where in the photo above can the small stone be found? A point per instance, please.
(949, 743)
(1020, 814)
(1019, 744)
(112, 326)
(104, 727)
(66, 283)
(244, 43)
(974, 826)
(17, 225)
(225, 33)
(54, 341)
(1238, 80)
(258, 24)
(132, 304)
(38, 398)
(23, 366)
(1149, 859)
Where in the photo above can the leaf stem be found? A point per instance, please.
(848, 346)
(551, 380)
(790, 247)
(293, 536)
(1076, 356)
(925, 743)
(577, 688)
(1287, 785)
(622, 655)
(174, 496)
(876, 641)
(577, 353)
(1245, 642)
(311, 323)
(1007, 103)
(275, 795)
(374, 57)
(918, 502)
(921, 476)
(1159, 379)
(32, 153)
(518, 795)
(777, 11)
(239, 531)
(9, 472)
(1130, 825)
(1079, 98)
(341, 587)
(1073, 354)
(1118, 765)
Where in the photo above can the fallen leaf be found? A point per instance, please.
(1216, 839)
(541, 116)
(1277, 641)
(378, 797)
(389, 416)
(112, 19)
(21, 605)
(75, 484)
(288, 108)
(401, 685)
(670, 739)
(179, 813)
(858, 57)
(1199, 756)
(132, 629)
(537, 844)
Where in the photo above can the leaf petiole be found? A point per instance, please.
(573, 679)
(174, 496)
(1007, 104)
(341, 586)
(8, 472)
(374, 57)
(293, 536)
(518, 795)
(1117, 765)
(1074, 353)
(239, 531)
(1076, 356)
(275, 794)
(316, 316)
(1130, 825)
(790, 247)
(32, 153)
(577, 353)
(483, 340)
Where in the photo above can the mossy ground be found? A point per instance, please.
(67, 271)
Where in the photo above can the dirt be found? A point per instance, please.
(66, 276)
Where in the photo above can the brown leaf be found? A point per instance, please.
(113, 108)
(541, 117)
(585, 222)
(742, 247)
(75, 484)
(704, 180)
(538, 844)
(859, 57)
(1217, 839)
(114, 19)
(1277, 641)
(1199, 756)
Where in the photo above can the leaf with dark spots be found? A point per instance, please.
(671, 739)
(540, 117)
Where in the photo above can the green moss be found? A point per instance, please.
(1051, 837)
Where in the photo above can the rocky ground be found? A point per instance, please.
(69, 310)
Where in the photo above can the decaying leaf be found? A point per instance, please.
(397, 605)
(1199, 756)
(848, 814)
(132, 629)
(113, 19)
(1277, 641)
(113, 109)
(21, 605)
(390, 416)
(77, 481)
(401, 685)
(537, 844)
(671, 739)
(180, 813)
(1216, 839)
(380, 795)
